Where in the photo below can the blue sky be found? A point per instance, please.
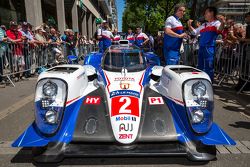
(120, 8)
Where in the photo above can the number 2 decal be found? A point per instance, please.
(125, 105)
(123, 109)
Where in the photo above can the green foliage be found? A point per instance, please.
(148, 14)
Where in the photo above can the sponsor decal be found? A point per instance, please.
(124, 93)
(124, 85)
(124, 79)
(125, 105)
(80, 75)
(126, 127)
(155, 100)
(125, 136)
(125, 118)
(93, 100)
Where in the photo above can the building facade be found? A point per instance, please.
(234, 9)
(79, 15)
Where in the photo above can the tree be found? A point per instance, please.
(148, 14)
(151, 15)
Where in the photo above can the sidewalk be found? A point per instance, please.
(11, 95)
(233, 101)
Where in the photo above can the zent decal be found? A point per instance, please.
(125, 136)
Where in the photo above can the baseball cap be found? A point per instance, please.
(40, 28)
(25, 24)
(13, 23)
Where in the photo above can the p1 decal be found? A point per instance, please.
(125, 136)
(155, 100)
(125, 127)
(93, 100)
(125, 105)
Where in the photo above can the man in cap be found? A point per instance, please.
(16, 38)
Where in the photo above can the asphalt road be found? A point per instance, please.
(16, 113)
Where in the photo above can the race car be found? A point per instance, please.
(121, 104)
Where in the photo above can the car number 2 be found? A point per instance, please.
(124, 108)
(125, 105)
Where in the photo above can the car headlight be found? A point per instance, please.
(199, 103)
(50, 102)
(51, 116)
(197, 116)
(49, 89)
(199, 89)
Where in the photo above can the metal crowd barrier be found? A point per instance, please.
(227, 61)
(244, 71)
(230, 62)
(24, 58)
(189, 54)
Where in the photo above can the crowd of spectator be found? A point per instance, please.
(18, 38)
(24, 34)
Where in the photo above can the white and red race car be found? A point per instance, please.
(119, 104)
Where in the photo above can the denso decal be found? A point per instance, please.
(125, 136)
(127, 127)
(155, 100)
(125, 118)
(125, 105)
(124, 92)
(124, 79)
(93, 100)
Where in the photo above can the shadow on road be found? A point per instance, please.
(24, 156)
(233, 102)
(241, 124)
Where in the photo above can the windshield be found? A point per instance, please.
(132, 61)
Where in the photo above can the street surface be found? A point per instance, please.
(16, 113)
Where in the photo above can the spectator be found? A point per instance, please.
(72, 42)
(3, 39)
(245, 60)
(55, 42)
(39, 36)
(64, 36)
(29, 44)
(42, 41)
(17, 61)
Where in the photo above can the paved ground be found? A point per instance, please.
(16, 113)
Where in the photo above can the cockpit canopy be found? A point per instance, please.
(118, 57)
